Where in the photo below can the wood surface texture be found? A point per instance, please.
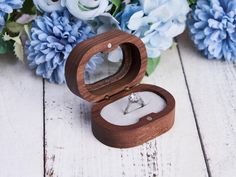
(21, 120)
(140, 132)
(45, 130)
(131, 73)
(116, 86)
(212, 89)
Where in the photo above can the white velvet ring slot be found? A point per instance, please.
(114, 112)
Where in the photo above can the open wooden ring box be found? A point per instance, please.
(118, 86)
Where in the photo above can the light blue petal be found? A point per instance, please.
(115, 55)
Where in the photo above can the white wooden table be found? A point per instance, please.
(45, 129)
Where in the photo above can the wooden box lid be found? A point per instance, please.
(130, 74)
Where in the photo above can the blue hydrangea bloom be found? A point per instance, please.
(155, 22)
(124, 16)
(53, 36)
(7, 7)
(212, 25)
(92, 65)
(2, 20)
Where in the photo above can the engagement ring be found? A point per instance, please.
(134, 98)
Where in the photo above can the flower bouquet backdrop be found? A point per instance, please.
(212, 27)
(43, 32)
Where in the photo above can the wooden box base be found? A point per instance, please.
(148, 127)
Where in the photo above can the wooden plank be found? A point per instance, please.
(21, 120)
(73, 151)
(212, 86)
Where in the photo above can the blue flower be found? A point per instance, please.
(2, 20)
(53, 36)
(91, 66)
(212, 26)
(124, 16)
(155, 22)
(7, 7)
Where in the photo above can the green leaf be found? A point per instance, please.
(19, 51)
(5, 46)
(14, 27)
(152, 64)
(28, 7)
(18, 47)
(27, 31)
(134, 1)
(117, 4)
(192, 2)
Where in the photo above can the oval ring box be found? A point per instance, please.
(123, 83)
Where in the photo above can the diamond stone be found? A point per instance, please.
(133, 98)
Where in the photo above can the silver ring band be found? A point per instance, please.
(134, 98)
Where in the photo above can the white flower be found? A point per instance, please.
(86, 9)
(158, 23)
(48, 5)
(104, 23)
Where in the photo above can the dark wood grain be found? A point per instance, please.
(129, 75)
(121, 84)
(142, 131)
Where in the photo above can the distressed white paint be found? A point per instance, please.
(21, 120)
(212, 86)
(72, 150)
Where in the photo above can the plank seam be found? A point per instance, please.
(195, 116)
(44, 132)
